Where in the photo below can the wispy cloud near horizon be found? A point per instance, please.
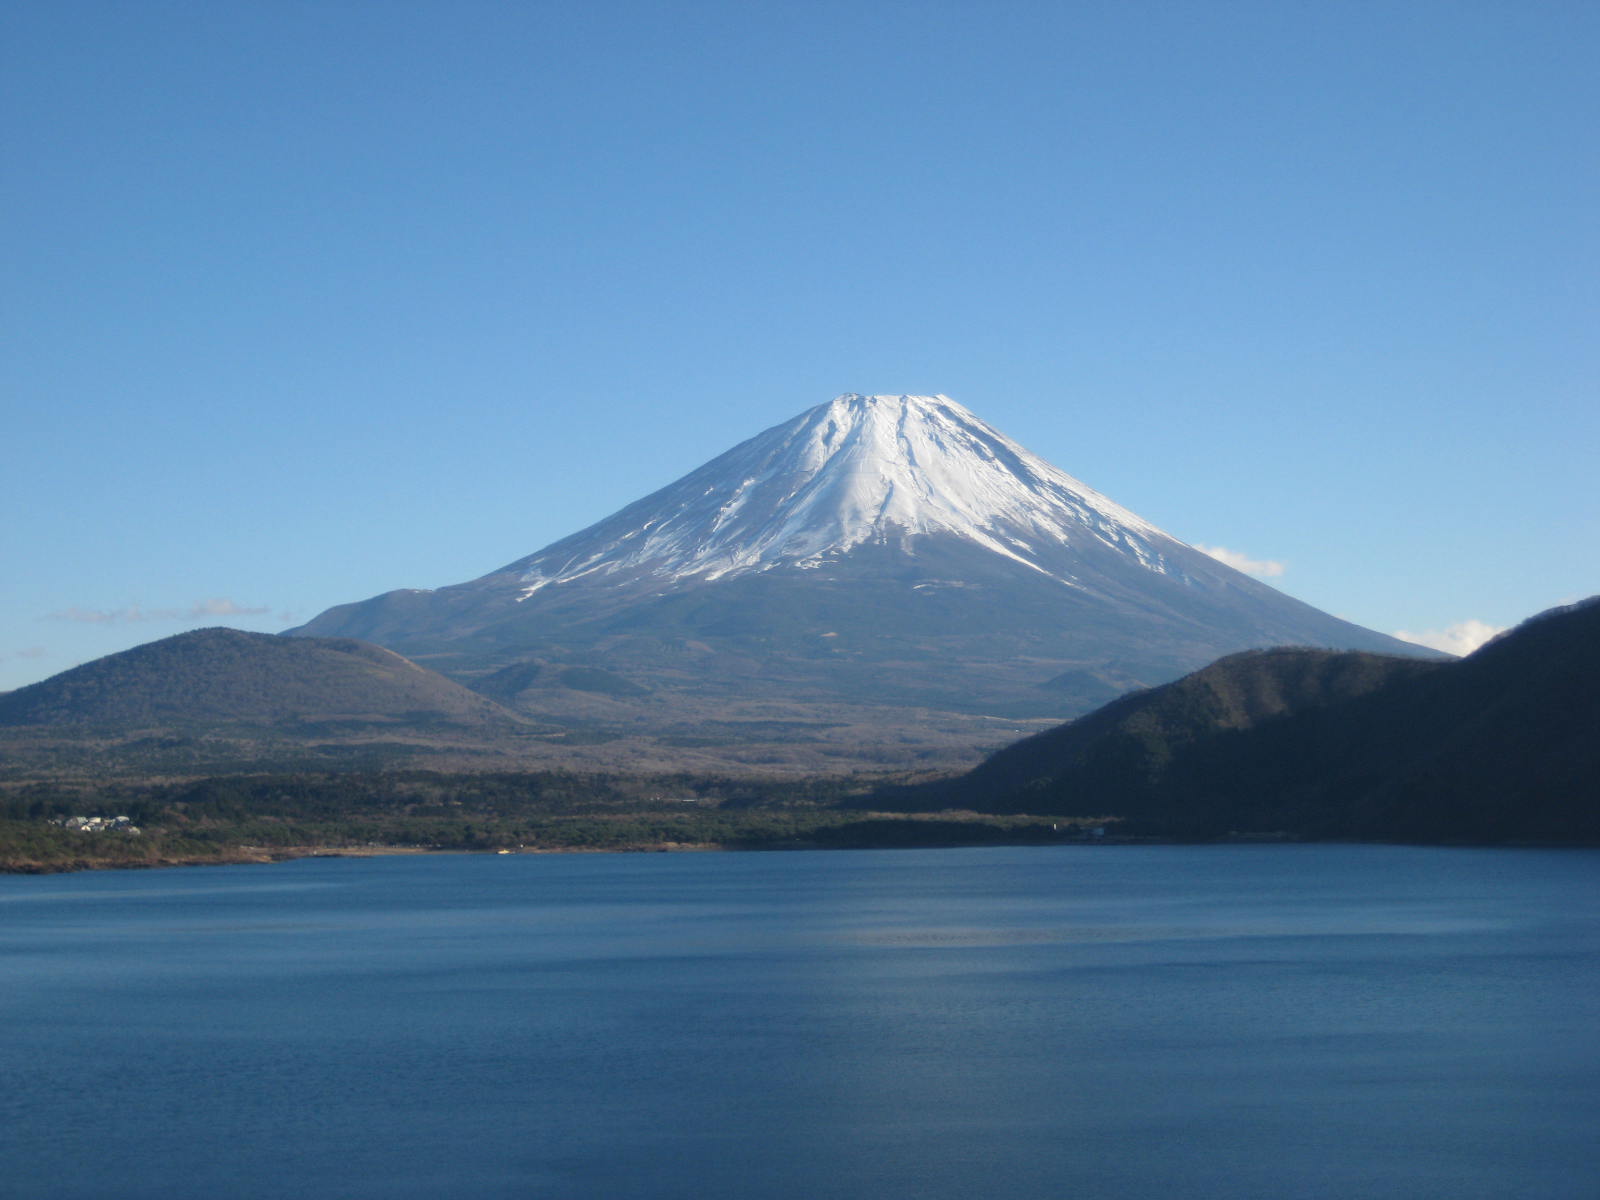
(217, 606)
(1262, 568)
(1462, 638)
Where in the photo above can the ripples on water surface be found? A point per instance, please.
(1121, 1022)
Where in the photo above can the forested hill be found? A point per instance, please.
(1501, 746)
(226, 676)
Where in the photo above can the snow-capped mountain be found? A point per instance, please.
(859, 470)
(880, 551)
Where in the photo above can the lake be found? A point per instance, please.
(1072, 1022)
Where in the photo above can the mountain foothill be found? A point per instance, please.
(228, 675)
(1501, 746)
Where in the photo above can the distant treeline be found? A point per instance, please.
(261, 815)
(320, 795)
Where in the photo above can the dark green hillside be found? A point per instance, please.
(1501, 746)
(1121, 754)
(1132, 741)
(225, 676)
(1505, 744)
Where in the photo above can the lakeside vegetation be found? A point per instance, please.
(262, 817)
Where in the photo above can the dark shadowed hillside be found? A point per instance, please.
(225, 676)
(1132, 742)
(1503, 745)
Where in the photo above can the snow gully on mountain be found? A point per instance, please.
(855, 471)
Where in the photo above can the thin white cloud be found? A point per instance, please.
(217, 606)
(221, 606)
(1461, 638)
(93, 616)
(1263, 568)
(27, 652)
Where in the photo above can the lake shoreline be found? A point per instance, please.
(259, 856)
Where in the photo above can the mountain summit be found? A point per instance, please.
(890, 555)
(859, 470)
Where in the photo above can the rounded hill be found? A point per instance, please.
(227, 676)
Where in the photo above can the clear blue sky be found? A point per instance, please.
(308, 301)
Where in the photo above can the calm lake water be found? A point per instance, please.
(1075, 1022)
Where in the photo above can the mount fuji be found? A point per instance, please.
(883, 561)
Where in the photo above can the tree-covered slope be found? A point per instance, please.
(1503, 745)
(226, 676)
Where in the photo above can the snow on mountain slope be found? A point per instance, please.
(858, 470)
